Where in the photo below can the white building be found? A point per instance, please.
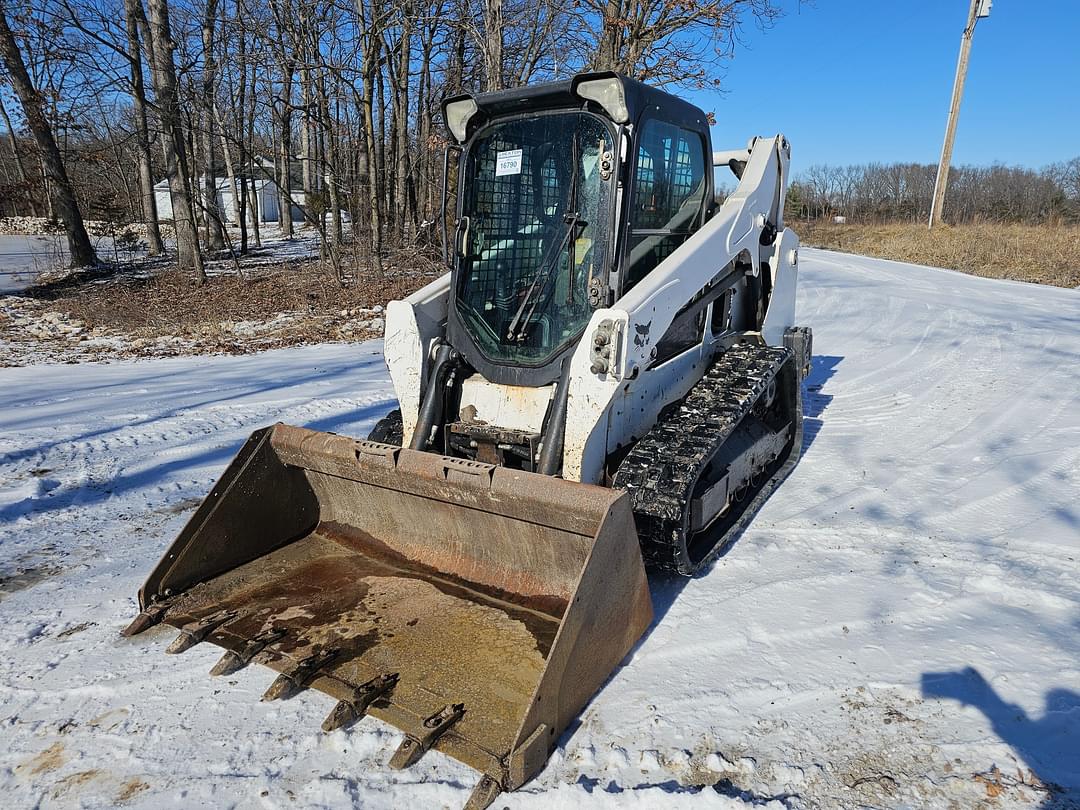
(266, 198)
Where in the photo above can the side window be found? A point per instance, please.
(669, 188)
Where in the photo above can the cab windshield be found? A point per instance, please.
(537, 210)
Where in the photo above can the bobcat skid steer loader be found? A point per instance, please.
(609, 375)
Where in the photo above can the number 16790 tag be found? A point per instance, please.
(508, 163)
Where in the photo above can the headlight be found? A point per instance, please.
(457, 114)
(609, 94)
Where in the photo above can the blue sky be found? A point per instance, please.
(853, 81)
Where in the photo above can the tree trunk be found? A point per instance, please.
(243, 191)
(372, 170)
(493, 44)
(423, 129)
(370, 62)
(383, 170)
(215, 235)
(609, 55)
(239, 100)
(132, 12)
(307, 139)
(230, 169)
(63, 196)
(401, 105)
(253, 197)
(285, 153)
(189, 255)
(329, 170)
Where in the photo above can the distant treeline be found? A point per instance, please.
(901, 192)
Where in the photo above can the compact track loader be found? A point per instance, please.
(608, 378)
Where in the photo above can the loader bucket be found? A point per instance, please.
(475, 608)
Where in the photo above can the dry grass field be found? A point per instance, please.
(1043, 254)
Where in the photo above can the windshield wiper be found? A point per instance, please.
(519, 326)
(541, 279)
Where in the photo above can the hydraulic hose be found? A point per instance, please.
(435, 396)
(551, 452)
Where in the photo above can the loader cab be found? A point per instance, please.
(568, 194)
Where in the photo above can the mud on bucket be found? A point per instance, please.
(474, 607)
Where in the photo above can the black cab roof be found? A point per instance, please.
(638, 96)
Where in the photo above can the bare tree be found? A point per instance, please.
(163, 69)
(62, 194)
(491, 44)
(133, 14)
(670, 41)
(285, 55)
(215, 235)
(371, 22)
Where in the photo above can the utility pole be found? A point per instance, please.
(978, 10)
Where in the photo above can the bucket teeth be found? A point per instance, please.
(191, 634)
(232, 661)
(414, 747)
(153, 614)
(349, 711)
(487, 790)
(289, 683)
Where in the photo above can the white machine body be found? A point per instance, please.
(613, 407)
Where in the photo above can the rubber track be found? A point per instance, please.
(662, 468)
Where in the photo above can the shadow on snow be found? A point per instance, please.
(1049, 745)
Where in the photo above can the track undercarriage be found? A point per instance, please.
(704, 470)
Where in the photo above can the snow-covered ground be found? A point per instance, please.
(900, 626)
(23, 257)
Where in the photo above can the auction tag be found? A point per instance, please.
(508, 163)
